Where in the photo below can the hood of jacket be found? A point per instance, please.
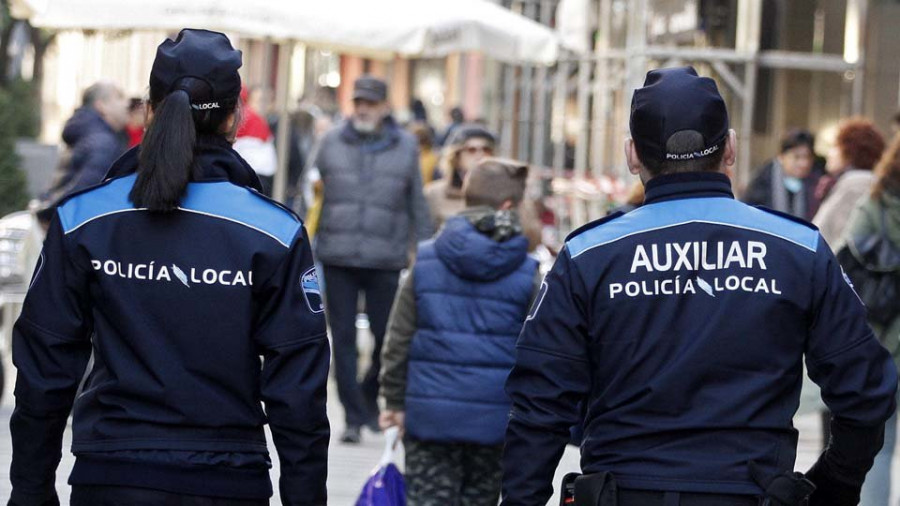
(472, 255)
(86, 121)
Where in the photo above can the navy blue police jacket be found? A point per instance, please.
(195, 318)
(677, 331)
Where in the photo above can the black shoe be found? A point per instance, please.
(351, 435)
(373, 426)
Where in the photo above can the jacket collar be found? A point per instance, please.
(214, 159)
(384, 138)
(687, 185)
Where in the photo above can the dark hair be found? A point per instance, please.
(887, 172)
(418, 110)
(796, 138)
(860, 143)
(166, 162)
(101, 90)
(423, 134)
(456, 114)
(685, 141)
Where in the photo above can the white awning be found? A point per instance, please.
(405, 27)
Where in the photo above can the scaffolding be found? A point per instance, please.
(535, 109)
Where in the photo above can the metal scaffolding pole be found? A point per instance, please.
(559, 150)
(559, 116)
(747, 43)
(583, 103)
(281, 142)
(526, 96)
(539, 135)
(855, 50)
(507, 121)
(601, 115)
(636, 52)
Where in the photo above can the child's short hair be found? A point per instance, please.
(495, 181)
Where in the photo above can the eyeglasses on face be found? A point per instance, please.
(474, 150)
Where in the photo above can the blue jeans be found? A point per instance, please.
(876, 490)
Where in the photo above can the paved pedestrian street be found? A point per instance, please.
(350, 465)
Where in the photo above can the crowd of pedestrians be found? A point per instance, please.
(430, 236)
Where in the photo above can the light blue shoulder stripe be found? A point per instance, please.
(240, 205)
(713, 211)
(111, 198)
(221, 200)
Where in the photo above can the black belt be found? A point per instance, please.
(654, 498)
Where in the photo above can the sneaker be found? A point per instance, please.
(351, 435)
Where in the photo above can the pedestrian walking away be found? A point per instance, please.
(197, 298)
(372, 212)
(677, 333)
(94, 137)
(873, 233)
(451, 342)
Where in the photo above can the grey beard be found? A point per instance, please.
(365, 127)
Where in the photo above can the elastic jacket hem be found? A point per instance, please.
(214, 481)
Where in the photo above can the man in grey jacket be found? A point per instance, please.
(372, 212)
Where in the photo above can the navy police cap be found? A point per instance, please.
(203, 56)
(674, 100)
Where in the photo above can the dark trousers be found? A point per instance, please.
(342, 288)
(107, 495)
(452, 474)
(647, 498)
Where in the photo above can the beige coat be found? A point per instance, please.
(445, 201)
(834, 214)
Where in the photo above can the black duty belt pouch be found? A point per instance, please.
(598, 489)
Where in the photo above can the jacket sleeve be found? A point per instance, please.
(862, 222)
(418, 207)
(291, 336)
(858, 381)
(395, 355)
(51, 348)
(98, 153)
(550, 378)
(759, 191)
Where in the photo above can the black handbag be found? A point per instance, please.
(872, 263)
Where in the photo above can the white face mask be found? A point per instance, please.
(793, 184)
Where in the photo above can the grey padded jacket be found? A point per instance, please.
(373, 209)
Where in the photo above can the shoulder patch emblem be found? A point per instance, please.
(537, 302)
(309, 282)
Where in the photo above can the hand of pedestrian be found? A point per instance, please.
(389, 418)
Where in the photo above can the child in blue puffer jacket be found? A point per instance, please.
(451, 342)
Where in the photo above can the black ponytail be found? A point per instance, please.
(166, 164)
(167, 155)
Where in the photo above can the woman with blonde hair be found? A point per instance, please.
(469, 145)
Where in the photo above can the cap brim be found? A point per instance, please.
(371, 96)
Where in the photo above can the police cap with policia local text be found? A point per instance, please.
(201, 55)
(675, 100)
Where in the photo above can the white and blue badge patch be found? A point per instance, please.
(852, 287)
(309, 282)
(536, 306)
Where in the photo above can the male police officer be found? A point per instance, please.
(680, 329)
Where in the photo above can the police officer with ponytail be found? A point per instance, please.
(197, 298)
